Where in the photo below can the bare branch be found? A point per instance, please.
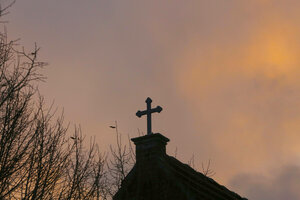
(207, 171)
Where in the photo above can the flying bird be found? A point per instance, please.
(73, 138)
(112, 126)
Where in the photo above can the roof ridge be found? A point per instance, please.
(208, 182)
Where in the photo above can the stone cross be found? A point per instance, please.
(148, 112)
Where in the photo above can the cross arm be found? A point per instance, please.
(140, 113)
(157, 109)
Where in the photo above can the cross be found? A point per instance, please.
(148, 112)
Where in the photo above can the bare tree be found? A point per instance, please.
(38, 160)
(47, 158)
(121, 161)
(85, 173)
(18, 72)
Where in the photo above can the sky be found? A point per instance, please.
(224, 71)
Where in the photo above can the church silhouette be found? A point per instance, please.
(158, 176)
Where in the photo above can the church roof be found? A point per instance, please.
(158, 176)
(203, 185)
(167, 169)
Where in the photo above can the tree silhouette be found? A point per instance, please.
(37, 158)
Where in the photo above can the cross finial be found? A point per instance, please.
(148, 112)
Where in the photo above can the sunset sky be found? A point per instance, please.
(226, 72)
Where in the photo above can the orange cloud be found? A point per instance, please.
(247, 88)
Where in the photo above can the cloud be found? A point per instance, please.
(282, 184)
(242, 82)
(227, 72)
